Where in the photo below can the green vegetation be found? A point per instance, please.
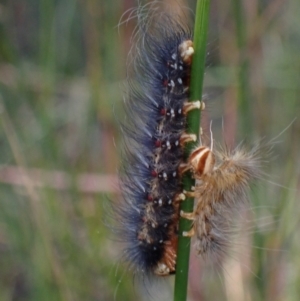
(62, 71)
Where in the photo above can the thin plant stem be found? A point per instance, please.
(193, 126)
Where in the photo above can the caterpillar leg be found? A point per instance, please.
(190, 194)
(180, 197)
(190, 233)
(189, 106)
(185, 138)
(193, 105)
(189, 216)
(183, 167)
(186, 50)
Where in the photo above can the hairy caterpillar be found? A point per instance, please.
(157, 104)
(222, 184)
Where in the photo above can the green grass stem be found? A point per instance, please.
(193, 121)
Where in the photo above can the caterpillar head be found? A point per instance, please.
(201, 161)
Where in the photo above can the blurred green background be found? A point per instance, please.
(62, 78)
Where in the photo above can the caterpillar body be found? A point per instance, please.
(155, 134)
(222, 183)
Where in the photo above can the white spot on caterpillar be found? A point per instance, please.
(179, 80)
(160, 202)
(174, 56)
